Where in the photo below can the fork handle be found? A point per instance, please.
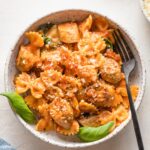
(135, 119)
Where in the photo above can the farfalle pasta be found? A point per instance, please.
(45, 122)
(74, 129)
(27, 58)
(22, 82)
(35, 39)
(70, 76)
(33, 102)
(37, 88)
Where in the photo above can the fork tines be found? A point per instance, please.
(121, 46)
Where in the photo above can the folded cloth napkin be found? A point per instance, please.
(5, 146)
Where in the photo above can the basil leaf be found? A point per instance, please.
(47, 40)
(19, 105)
(109, 43)
(89, 134)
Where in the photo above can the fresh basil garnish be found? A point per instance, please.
(109, 44)
(19, 105)
(89, 134)
(47, 40)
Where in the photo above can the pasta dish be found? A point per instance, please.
(70, 76)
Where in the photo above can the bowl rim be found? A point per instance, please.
(144, 11)
(119, 128)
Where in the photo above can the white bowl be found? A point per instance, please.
(137, 77)
(144, 10)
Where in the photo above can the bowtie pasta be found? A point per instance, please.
(71, 77)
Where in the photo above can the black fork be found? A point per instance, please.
(122, 48)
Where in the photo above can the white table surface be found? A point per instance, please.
(16, 15)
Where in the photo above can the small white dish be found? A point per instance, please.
(137, 77)
(145, 9)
